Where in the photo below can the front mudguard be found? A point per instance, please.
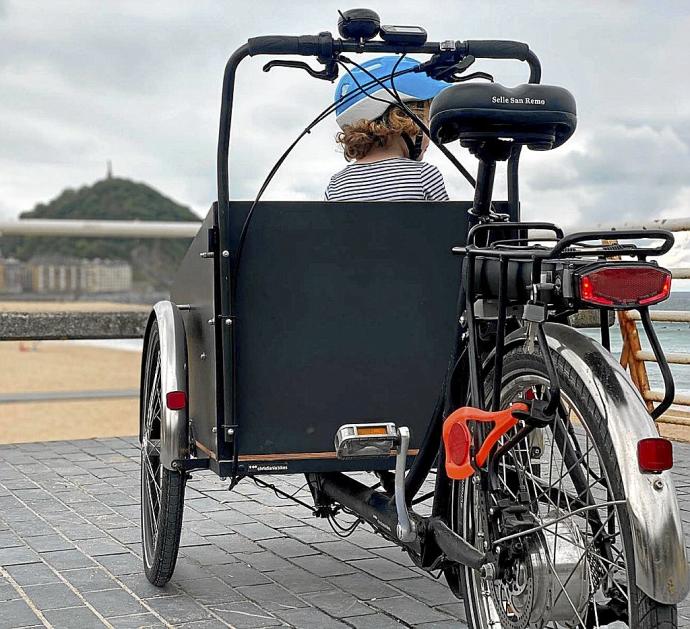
(661, 567)
(173, 355)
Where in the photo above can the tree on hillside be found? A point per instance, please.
(154, 262)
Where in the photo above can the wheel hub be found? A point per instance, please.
(548, 581)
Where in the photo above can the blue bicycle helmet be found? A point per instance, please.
(411, 86)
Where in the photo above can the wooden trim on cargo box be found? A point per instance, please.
(297, 456)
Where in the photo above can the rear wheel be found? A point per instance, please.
(577, 569)
(162, 490)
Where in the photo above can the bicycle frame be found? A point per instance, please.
(435, 545)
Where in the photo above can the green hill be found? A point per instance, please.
(153, 261)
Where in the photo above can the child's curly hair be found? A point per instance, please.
(360, 138)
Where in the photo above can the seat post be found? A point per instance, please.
(484, 188)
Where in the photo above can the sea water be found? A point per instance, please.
(674, 337)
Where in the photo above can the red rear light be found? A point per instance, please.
(625, 285)
(176, 400)
(655, 454)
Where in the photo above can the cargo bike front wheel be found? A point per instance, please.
(162, 490)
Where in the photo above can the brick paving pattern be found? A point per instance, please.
(70, 554)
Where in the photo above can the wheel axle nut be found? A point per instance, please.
(488, 571)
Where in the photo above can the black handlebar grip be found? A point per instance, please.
(284, 45)
(497, 49)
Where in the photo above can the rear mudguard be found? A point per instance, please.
(173, 348)
(661, 567)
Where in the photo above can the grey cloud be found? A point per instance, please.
(621, 171)
(139, 83)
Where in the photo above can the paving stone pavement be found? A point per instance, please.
(70, 553)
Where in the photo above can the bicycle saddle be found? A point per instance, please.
(541, 116)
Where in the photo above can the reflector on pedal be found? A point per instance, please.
(365, 440)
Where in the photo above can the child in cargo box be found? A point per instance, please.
(385, 145)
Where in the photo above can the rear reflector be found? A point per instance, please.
(625, 285)
(176, 400)
(655, 454)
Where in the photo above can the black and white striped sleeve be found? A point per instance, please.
(432, 182)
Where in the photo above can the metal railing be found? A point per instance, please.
(99, 229)
(634, 358)
(99, 325)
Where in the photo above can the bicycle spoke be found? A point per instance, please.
(576, 534)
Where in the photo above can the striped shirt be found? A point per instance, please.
(394, 179)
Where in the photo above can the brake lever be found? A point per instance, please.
(329, 72)
(450, 71)
(442, 66)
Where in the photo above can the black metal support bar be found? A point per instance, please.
(604, 327)
(484, 188)
(378, 509)
(188, 465)
(669, 384)
(554, 388)
(454, 547)
(476, 393)
(623, 234)
(225, 334)
(513, 183)
(427, 451)
(517, 225)
(500, 333)
(375, 507)
(432, 438)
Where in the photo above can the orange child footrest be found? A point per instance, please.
(457, 438)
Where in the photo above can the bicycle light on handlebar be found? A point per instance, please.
(623, 285)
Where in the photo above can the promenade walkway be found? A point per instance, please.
(70, 553)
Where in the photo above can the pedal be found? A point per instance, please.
(457, 438)
(379, 440)
(361, 441)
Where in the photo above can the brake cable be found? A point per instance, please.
(325, 113)
(319, 118)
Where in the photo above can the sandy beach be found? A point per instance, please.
(48, 366)
(64, 366)
(69, 306)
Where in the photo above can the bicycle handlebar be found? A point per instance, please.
(497, 49)
(325, 46)
(285, 45)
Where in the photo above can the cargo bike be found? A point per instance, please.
(426, 340)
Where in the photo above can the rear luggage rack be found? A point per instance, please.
(513, 273)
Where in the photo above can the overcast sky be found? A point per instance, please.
(138, 83)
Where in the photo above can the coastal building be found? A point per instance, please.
(61, 274)
(15, 276)
(107, 276)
